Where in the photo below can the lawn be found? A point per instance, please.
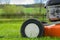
(29, 10)
(34, 10)
(1, 11)
(10, 30)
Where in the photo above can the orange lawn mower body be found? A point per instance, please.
(52, 30)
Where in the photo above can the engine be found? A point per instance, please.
(53, 10)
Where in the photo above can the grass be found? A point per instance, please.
(1, 11)
(31, 10)
(27, 10)
(34, 10)
(10, 30)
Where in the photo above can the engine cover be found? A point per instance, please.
(53, 12)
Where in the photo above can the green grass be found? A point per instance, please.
(29, 10)
(34, 10)
(10, 30)
(1, 11)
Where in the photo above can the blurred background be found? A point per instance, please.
(21, 9)
(13, 13)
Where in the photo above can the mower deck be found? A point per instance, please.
(52, 30)
(34, 28)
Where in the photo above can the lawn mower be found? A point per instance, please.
(33, 28)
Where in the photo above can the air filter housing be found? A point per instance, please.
(53, 10)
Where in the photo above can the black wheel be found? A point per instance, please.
(32, 28)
